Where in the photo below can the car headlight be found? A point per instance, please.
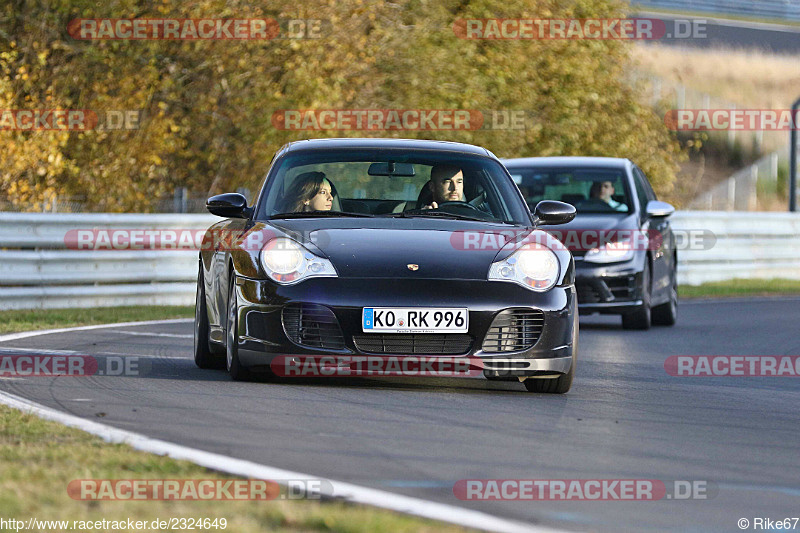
(612, 252)
(534, 266)
(287, 262)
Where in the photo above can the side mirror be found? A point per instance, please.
(658, 209)
(551, 212)
(228, 205)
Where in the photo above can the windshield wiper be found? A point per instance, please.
(315, 214)
(432, 213)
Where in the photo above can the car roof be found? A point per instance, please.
(572, 161)
(407, 144)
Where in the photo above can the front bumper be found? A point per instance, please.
(614, 288)
(262, 334)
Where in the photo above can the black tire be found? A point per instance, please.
(667, 314)
(641, 318)
(563, 383)
(204, 355)
(234, 366)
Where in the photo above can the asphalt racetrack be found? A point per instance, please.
(710, 32)
(625, 418)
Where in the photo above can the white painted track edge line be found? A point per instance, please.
(36, 333)
(739, 299)
(247, 469)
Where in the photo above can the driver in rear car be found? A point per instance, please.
(604, 191)
(446, 185)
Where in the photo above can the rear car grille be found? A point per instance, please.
(312, 325)
(514, 330)
(413, 343)
(608, 289)
(622, 288)
(587, 294)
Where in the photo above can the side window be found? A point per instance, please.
(648, 189)
(641, 190)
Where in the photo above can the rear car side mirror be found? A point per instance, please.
(658, 209)
(551, 212)
(228, 205)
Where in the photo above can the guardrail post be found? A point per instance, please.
(793, 160)
(179, 200)
(752, 200)
(773, 167)
(732, 133)
(731, 195)
(656, 89)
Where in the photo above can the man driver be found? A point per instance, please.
(446, 185)
(604, 191)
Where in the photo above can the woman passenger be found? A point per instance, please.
(310, 191)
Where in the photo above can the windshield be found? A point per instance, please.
(590, 190)
(391, 183)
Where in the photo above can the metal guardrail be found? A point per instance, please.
(748, 245)
(778, 9)
(37, 270)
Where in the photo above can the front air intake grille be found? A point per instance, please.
(413, 343)
(588, 294)
(603, 290)
(514, 330)
(312, 325)
(623, 288)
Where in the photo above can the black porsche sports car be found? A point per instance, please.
(388, 248)
(625, 254)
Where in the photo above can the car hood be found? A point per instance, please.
(386, 249)
(574, 233)
(597, 222)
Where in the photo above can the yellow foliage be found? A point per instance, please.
(207, 105)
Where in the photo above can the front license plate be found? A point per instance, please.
(414, 320)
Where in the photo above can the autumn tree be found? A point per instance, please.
(207, 105)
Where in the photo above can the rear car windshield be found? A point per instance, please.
(590, 190)
(389, 183)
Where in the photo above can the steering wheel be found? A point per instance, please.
(459, 203)
(595, 203)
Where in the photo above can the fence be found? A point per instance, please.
(180, 201)
(37, 270)
(778, 9)
(678, 96)
(750, 189)
(755, 187)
